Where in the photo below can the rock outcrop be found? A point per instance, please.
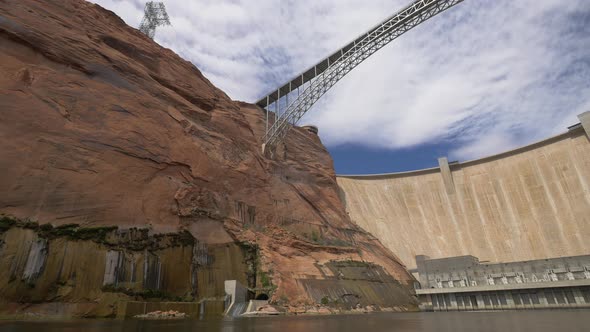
(141, 165)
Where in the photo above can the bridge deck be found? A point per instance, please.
(320, 67)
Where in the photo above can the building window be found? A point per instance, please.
(526, 300)
(447, 300)
(559, 296)
(569, 295)
(441, 300)
(473, 301)
(494, 298)
(459, 300)
(550, 297)
(516, 298)
(486, 299)
(502, 297)
(434, 301)
(535, 298)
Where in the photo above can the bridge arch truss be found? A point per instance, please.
(292, 100)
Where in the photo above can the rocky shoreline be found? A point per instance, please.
(171, 314)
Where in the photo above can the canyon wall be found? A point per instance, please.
(530, 203)
(50, 269)
(105, 134)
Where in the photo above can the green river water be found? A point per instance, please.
(507, 321)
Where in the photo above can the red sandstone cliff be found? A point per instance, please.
(100, 126)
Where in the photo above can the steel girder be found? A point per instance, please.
(316, 82)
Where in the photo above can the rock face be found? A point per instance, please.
(102, 127)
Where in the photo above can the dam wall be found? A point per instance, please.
(529, 203)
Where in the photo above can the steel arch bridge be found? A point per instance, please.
(293, 99)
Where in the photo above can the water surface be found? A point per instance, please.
(506, 321)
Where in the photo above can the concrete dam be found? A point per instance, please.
(526, 204)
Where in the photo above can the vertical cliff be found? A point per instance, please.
(127, 175)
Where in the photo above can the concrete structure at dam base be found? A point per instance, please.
(464, 284)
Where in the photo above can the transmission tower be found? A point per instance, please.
(155, 16)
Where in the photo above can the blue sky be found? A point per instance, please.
(479, 79)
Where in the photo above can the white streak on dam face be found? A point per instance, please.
(530, 203)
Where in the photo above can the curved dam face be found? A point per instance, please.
(530, 203)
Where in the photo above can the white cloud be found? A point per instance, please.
(485, 76)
